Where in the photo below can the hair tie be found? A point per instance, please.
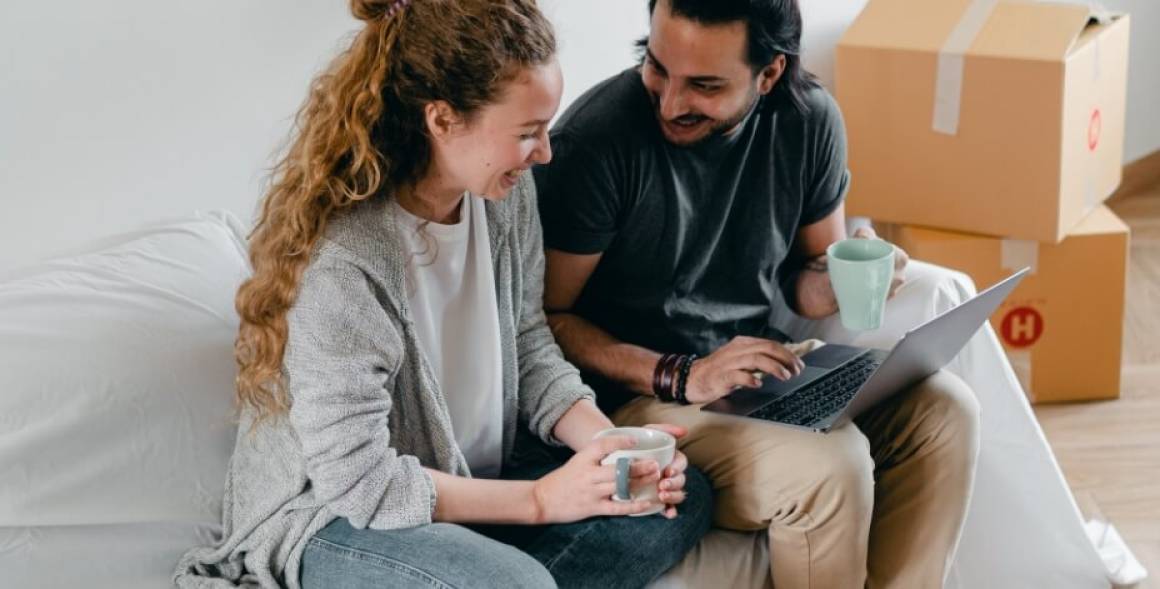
(397, 6)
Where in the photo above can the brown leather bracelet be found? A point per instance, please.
(672, 371)
(658, 379)
(668, 377)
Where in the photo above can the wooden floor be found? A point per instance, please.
(1110, 451)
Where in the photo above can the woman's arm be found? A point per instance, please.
(464, 500)
(579, 489)
(342, 354)
(580, 424)
(549, 386)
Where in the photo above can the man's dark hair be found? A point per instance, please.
(774, 26)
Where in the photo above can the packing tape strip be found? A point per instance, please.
(1021, 363)
(1016, 254)
(948, 85)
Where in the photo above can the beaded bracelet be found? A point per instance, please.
(683, 378)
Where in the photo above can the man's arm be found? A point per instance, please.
(584, 344)
(815, 296)
(813, 291)
(595, 350)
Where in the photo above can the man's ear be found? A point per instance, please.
(770, 74)
(442, 120)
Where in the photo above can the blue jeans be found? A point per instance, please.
(605, 552)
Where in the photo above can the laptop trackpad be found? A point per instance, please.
(831, 355)
(777, 388)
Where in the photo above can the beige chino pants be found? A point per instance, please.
(875, 503)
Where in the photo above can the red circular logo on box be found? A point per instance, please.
(1021, 327)
(1094, 125)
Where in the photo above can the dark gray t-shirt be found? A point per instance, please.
(696, 241)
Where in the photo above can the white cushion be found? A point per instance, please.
(116, 373)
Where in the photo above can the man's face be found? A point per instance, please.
(698, 76)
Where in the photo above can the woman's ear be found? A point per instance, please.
(442, 120)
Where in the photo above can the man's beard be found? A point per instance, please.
(717, 128)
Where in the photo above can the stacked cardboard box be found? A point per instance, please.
(988, 133)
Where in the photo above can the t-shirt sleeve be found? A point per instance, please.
(828, 177)
(578, 197)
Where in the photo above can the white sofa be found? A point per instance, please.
(116, 380)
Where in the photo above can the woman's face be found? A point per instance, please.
(487, 155)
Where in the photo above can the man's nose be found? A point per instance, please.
(672, 102)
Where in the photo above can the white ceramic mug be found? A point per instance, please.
(651, 444)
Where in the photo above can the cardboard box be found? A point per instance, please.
(997, 117)
(1063, 326)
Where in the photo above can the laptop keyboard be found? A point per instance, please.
(822, 397)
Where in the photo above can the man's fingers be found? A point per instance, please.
(901, 258)
(778, 367)
(738, 379)
(781, 354)
(770, 363)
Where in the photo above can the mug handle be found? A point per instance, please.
(622, 466)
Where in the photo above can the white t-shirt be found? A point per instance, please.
(451, 290)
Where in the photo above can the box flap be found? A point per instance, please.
(1031, 30)
(1100, 221)
(1097, 23)
(1015, 28)
(904, 24)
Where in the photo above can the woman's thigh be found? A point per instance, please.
(610, 552)
(435, 555)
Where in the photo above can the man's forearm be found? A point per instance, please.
(815, 294)
(594, 350)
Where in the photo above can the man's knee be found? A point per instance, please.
(948, 409)
(817, 479)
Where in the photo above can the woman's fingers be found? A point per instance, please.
(676, 483)
(617, 508)
(679, 464)
(640, 469)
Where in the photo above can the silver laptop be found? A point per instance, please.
(840, 382)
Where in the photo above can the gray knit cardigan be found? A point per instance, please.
(366, 411)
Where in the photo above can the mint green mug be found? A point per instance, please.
(860, 273)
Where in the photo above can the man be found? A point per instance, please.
(690, 201)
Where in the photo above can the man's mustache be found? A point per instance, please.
(689, 119)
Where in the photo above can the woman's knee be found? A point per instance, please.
(698, 505)
(664, 541)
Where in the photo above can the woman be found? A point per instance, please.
(392, 339)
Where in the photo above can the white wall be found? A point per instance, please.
(113, 114)
(1142, 136)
